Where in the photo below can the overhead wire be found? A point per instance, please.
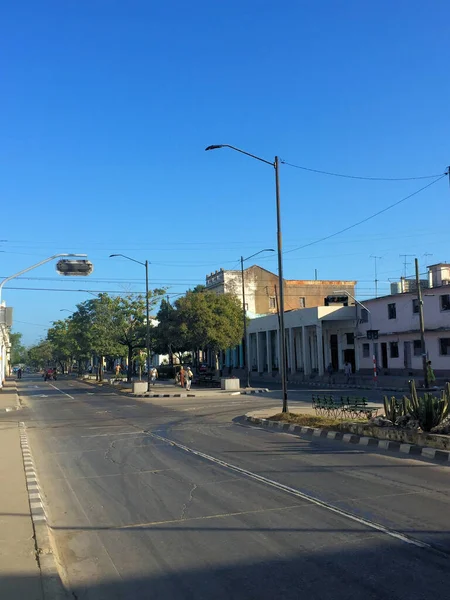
(327, 237)
(330, 173)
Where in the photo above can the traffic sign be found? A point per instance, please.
(74, 267)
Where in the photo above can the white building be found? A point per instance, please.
(315, 337)
(395, 321)
(5, 345)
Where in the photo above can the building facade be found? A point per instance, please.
(5, 344)
(261, 289)
(315, 337)
(395, 321)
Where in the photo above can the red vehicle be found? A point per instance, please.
(49, 374)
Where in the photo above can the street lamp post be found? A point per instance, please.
(275, 164)
(42, 262)
(246, 354)
(147, 312)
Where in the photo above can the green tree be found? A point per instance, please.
(208, 320)
(62, 342)
(169, 339)
(40, 355)
(18, 350)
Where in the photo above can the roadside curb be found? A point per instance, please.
(51, 581)
(250, 392)
(162, 395)
(412, 449)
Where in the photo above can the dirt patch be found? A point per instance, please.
(328, 423)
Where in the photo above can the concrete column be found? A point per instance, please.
(305, 352)
(339, 347)
(319, 334)
(269, 352)
(291, 352)
(258, 349)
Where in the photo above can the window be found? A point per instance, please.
(366, 350)
(364, 315)
(302, 302)
(417, 348)
(444, 346)
(415, 305)
(445, 302)
(350, 338)
(272, 302)
(394, 348)
(392, 312)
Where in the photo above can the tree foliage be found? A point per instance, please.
(18, 350)
(200, 319)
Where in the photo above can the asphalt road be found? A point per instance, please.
(179, 499)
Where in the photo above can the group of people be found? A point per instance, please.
(185, 377)
(347, 372)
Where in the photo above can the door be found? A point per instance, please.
(384, 358)
(334, 352)
(349, 356)
(407, 354)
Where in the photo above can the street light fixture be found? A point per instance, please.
(275, 164)
(147, 310)
(246, 354)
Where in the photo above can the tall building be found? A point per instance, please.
(262, 293)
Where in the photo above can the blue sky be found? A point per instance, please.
(107, 106)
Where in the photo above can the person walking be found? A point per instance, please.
(330, 372)
(19, 373)
(153, 375)
(430, 375)
(182, 374)
(347, 371)
(189, 375)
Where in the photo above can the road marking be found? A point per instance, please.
(54, 386)
(109, 434)
(205, 518)
(294, 492)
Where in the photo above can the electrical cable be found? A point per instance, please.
(327, 237)
(361, 177)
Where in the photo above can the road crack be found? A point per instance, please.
(189, 501)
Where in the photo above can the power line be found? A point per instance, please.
(361, 177)
(327, 237)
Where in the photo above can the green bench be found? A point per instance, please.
(352, 407)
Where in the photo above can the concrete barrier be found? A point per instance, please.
(230, 384)
(139, 387)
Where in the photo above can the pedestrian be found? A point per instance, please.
(182, 372)
(330, 371)
(154, 375)
(430, 375)
(117, 371)
(189, 375)
(347, 371)
(19, 373)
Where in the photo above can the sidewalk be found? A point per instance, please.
(19, 571)
(9, 399)
(169, 389)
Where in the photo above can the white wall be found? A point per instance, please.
(405, 327)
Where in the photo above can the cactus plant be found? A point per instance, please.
(428, 410)
(392, 408)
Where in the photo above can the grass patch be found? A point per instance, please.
(314, 421)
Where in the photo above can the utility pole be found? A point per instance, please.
(422, 327)
(376, 277)
(244, 340)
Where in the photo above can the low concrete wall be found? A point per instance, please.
(230, 384)
(139, 387)
(404, 436)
